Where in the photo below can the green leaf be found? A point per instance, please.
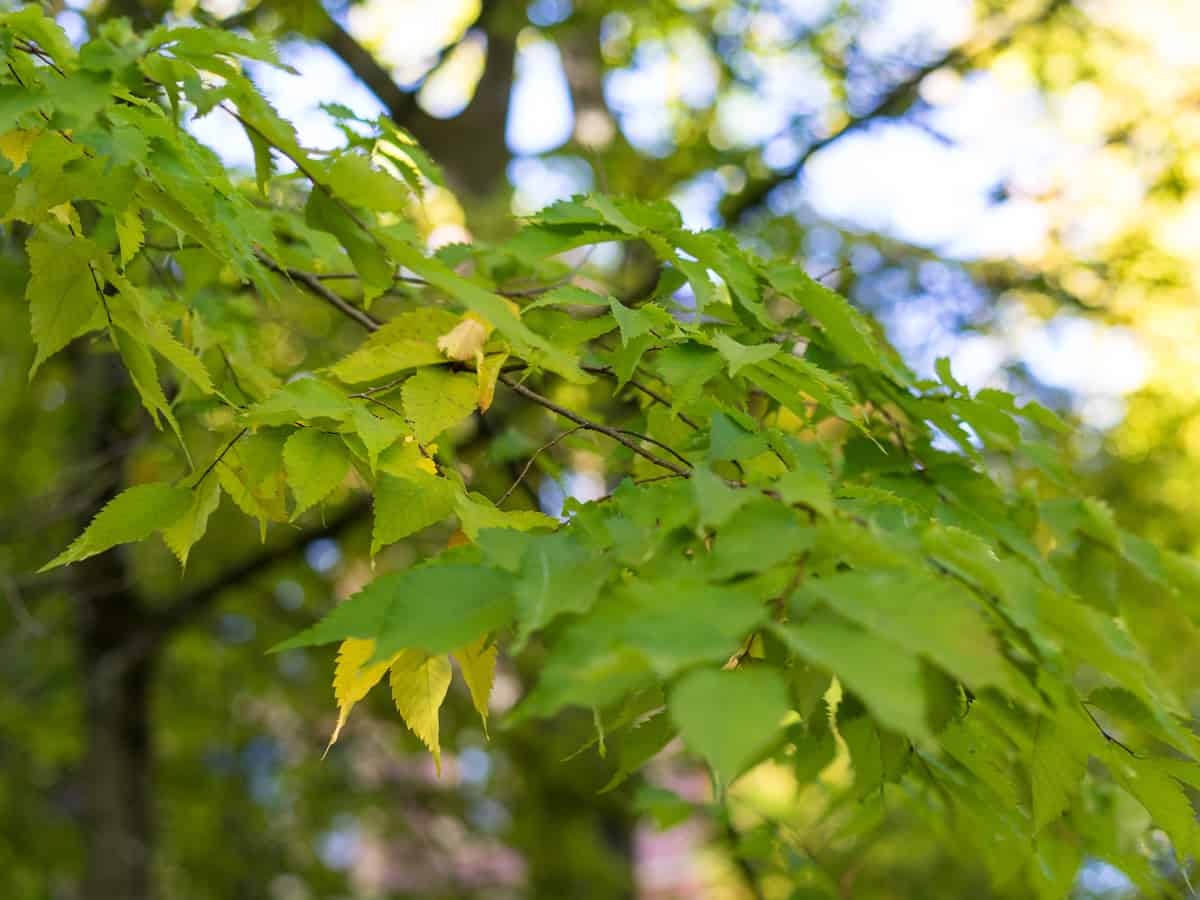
(845, 327)
(302, 400)
(807, 487)
(942, 365)
(886, 677)
(406, 505)
(408, 341)
(63, 302)
(316, 463)
(678, 623)
(558, 575)
(638, 744)
(352, 178)
(1055, 773)
(929, 615)
(729, 718)
(131, 233)
(369, 258)
(739, 355)
(633, 322)
(436, 608)
(437, 399)
(477, 513)
(759, 535)
(715, 499)
(144, 373)
(491, 307)
(184, 534)
(377, 433)
(133, 515)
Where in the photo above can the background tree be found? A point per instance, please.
(193, 747)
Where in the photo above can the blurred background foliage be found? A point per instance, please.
(1011, 184)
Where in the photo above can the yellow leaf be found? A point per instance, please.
(66, 214)
(353, 679)
(419, 684)
(466, 339)
(425, 461)
(15, 145)
(478, 664)
(487, 371)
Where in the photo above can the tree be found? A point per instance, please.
(804, 556)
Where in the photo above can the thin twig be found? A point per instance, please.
(220, 456)
(379, 388)
(313, 285)
(529, 464)
(654, 478)
(546, 288)
(652, 394)
(657, 443)
(588, 424)
(40, 54)
(1108, 737)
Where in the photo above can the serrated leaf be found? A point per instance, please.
(316, 463)
(477, 513)
(352, 178)
(633, 322)
(353, 678)
(438, 608)
(63, 303)
(477, 661)
(370, 261)
(1055, 772)
(493, 308)
(408, 341)
(558, 575)
(131, 233)
(139, 363)
(715, 499)
(377, 433)
(738, 356)
(419, 684)
(436, 399)
(929, 615)
(135, 314)
(486, 376)
(305, 399)
(887, 678)
(845, 327)
(190, 527)
(408, 504)
(133, 515)
(639, 744)
(752, 703)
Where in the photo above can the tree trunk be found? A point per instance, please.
(116, 667)
(117, 765)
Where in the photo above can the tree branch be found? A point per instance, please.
(198, 600)
(892, 105)
(617, 435)
(313, 285)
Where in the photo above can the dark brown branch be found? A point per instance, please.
(401, 104)
(614, 433)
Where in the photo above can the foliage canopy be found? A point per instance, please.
(805, 552)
